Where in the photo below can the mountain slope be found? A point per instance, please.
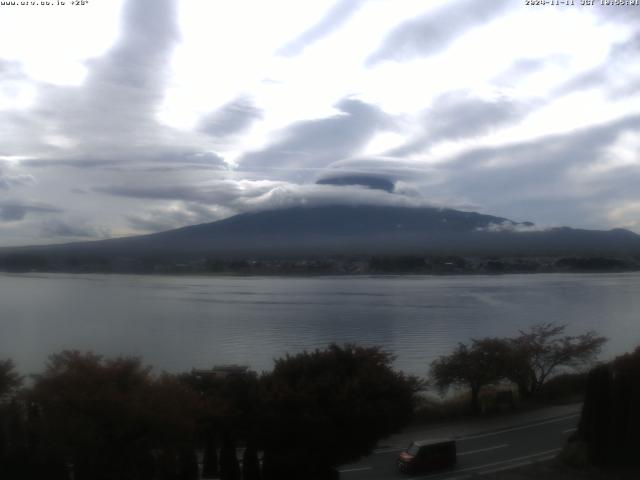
(353, 230)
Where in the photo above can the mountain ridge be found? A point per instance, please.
(320, 231)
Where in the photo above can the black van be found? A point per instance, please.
(427, 455)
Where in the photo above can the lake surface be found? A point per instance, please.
(176, 323)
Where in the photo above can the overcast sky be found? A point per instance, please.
(131, 116)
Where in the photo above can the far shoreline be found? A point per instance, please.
(373, 275)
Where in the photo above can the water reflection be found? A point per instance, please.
(176, 323)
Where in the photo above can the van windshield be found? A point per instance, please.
(413, 449)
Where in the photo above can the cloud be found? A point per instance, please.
(459, 115)
(548, 155)
(509, 226)
(162, 160)
(434, 31)
(20, 133)
(83, 162)
(626, 214)
(233, 118)
(283, 195)
(237, 196)
(175, 216)
(369, 181)
(13, 211)
(72, 229)
(188, 212)
(10, 180)
(112, 115)
(110, 121)
(21, 180)
(10, 213)
(337, 16)
(392, 168)
(7, 67)
(222, 192)
(617, 75)
(620, 13)
(524, 67)
(546, 177)
(294, 195)
(187, 205)
(10, 72)
(316, 143)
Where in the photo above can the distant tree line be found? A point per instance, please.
(527, 360)
(90, 418)
(314, 265)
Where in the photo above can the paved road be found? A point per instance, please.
(487, 452)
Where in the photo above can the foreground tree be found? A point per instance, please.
(250, 463)
(483, 363)
(229, 466)
(232, 409)
(10, 380)
(13, 435)
(113, 419)
(210, 453)
(528, 360)
(330, 407)
(543, 350)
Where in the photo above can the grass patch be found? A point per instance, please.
(432, 409)
(559, 390)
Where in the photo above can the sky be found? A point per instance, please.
(123, 117)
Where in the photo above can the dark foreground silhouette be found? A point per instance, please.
(610, 419)
(91, 418)
(86, 417)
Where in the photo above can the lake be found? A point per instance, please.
(176, 323)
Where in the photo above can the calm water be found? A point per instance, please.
(176, 323)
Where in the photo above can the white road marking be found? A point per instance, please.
(524, 427)
(519, 464)
(482, 435)
(482, 450)
(568, 430)
(359, 469)
(502, 462)
(489, 434)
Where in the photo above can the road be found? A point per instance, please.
(507, 446)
